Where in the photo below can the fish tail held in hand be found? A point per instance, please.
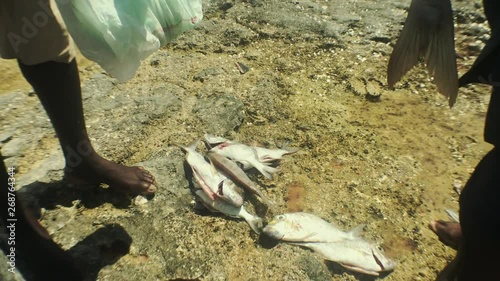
(428, 34)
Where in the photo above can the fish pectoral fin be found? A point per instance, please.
(308, 236)
(267, 171)
(359, 269)
(356, 232)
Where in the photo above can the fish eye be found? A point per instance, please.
(281, 217)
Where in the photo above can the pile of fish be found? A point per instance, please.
(221, 181)
(345, 248)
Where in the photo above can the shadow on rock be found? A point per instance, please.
(337, 269)
(102, 248)
(40, 259)
(267, 242)
(48, 195)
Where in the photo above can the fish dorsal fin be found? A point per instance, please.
(356, 232)
(194, 144)
(190, 147)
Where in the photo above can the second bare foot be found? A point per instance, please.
(450, 233)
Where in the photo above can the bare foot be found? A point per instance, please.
(95, 169)
(450, 233)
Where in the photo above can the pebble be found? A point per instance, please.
(13, 148)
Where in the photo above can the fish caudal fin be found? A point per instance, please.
(291, 150)
(427, 33)
(266, 200)
(190, 147)
(256, 223)
(267, 171)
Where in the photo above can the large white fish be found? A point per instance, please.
(210, 180)
(218, 205)
(306, 227)
(243, 153)
(357, 255)
(346, 248)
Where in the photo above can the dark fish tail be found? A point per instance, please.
(428, 34)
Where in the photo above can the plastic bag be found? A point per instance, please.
(118, 34)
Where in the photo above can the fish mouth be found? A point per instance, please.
(377, 260)
(389, 266)
(359, 269)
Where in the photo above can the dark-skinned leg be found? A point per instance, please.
(480, 221)
(58, 88)
(37, 257)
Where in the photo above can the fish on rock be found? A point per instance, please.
(266, 156)
(221, 206)
(357, 255)
(207, 178)
(212, 140)
(231, 170)
(244, 154)
(306, 227)
(346, 248)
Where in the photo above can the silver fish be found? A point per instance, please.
(212, 140)
(306, 227)
(237, 175)
(209, 179)
(265, 155)
(357, 255)
(222, 206)
(243, 153)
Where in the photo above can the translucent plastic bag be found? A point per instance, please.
(118, 34)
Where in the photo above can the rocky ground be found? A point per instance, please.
(389, 159)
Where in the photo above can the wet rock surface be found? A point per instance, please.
(368, 155)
